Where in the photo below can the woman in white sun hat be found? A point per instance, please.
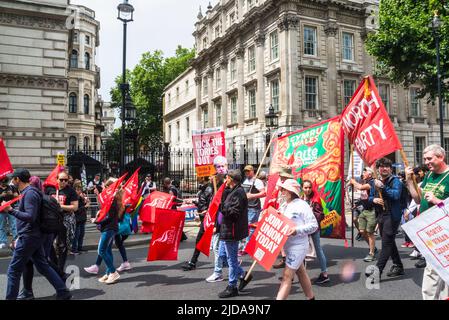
(297, 244)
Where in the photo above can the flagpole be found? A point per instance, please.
(352, 200)
(415, 184)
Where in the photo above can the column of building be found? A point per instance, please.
(331, 30)
(259, 135)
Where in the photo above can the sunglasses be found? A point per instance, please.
(63, 180)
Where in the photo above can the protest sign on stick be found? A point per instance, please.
(207, 145)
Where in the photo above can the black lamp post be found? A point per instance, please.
(125, 14)
(271, 122)
(436, 24)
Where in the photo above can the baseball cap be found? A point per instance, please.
(22, 174)
(248, 168)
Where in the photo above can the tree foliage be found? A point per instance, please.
(147, 82)
(404, 44)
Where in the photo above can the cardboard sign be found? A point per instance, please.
(269, 238)
(60, 158)
(207, 144)
(429, 232)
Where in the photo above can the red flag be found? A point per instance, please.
(52, 179)
(107, 197)
(165, 241)
(5, 164)
(272, 192)
(209, 222)
(7, 204)
(147, 213)
(367, 124)
(131, 187)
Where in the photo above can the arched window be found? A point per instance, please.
(73, 103)
(86, 104)
(86, 143)
(72, 143)
(74, 59)
(87, 61)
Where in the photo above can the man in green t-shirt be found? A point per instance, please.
(434, 189)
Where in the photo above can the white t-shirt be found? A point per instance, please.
(258, 184)
(302, 215)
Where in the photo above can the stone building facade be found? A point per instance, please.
(36, 39)
(303, 57)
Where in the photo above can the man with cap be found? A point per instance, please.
(29, 245)
(7, 193)
(255, 189)
(367, 217)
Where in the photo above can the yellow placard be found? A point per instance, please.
(60, 159)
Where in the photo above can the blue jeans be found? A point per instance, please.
(105, 250)
(77, 243)
(319, 251)
(253, 217)
(220, 260)
(4, 220)
(119, 243)
(30, 247)
(230, 249)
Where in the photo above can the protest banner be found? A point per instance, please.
(107, 197)
(167, 233)
(269, 238)
(429, 233)
(355, 164)
(5, 164)
(147, 213)
(207, 144)
(316, 153)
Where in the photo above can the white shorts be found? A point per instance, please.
(295, 256)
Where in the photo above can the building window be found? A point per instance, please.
(74, 59)
(205, 86)
(275, 95)
(86, 145)
(86, 104)
(177, 93)
(169, 133)
(234, 110)
(311, 93)
(249, 4)
(274, 43)
(87, 61)
(205, 118)
(310, 47)
(73, 103)
(446, 147)
(88, 40)
(188, 126)
(231, 18)
(419, 148)
(217, 32)
(72, 143)
(169, 99)
(348, 91)
(178, 131)
(348, 46)
(233, 70)
(218, 79)
(251, 59)
(187, 87)
(204, 42)
(415, 104)
(218, 114)
(252, 103)
(384, 93)
(75, 37)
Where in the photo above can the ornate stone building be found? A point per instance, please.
(303, 57)
(108, 120)
(37, 39)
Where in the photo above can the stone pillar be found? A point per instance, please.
(224, 96)
(240, 53)
(331, 30)
(198, 101)
(260, 98)
(210, 94)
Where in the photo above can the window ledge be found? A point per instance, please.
(251, 120)
(232, 125)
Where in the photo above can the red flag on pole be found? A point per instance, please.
(167, 233)
(367, 124)
(52, 179)
(131, 187)
(107, 197)
(5, 164)
(209, 222)
(8, 203)
(147, 213)
(272, 192)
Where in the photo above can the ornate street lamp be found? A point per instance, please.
(436, 25)
(125, 14)
(271, 122)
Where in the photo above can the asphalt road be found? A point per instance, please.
(166, 279)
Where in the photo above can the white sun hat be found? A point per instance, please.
(292, 185)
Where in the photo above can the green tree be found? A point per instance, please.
(147, 82)
(404, 45)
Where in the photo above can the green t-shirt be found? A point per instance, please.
(428, 185)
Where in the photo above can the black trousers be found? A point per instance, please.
(61, 248)
(388, 229)
(196, 253)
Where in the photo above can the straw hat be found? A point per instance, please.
(292, 185)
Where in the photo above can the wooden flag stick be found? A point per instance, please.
(352, 201)
(415, 184)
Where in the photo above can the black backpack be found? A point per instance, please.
(406, 198)
(51, 217)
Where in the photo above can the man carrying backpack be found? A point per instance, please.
(388, 213)
(29, 245)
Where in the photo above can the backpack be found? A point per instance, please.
(406, 198)
(51, 217)
(124, 226)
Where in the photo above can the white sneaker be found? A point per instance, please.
(93, 269)
(103, 278)
(124, 266)
(2, 245)
(113, 277)
(215, 277)
(414, 254)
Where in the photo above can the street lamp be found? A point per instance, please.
(125, 14)
(271, 122)
(436, 24)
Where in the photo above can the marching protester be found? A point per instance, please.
(80, 217)
(7, 193)
(234, 228)
(388, 213)
(95, 186)
(434, 189)
(204, 198)
(297, 244)
(315, 204)
(30, 243)
(148, 186)
(367, 217)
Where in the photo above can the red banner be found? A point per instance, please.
(147, 213)
(367, 124)
(272, 192)
(269, 238)
(207, 144)
(107, 197)
(131, 188)
(52, 179)
(209, 222)
(8, 203)
(5, 164)
(166, 237)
